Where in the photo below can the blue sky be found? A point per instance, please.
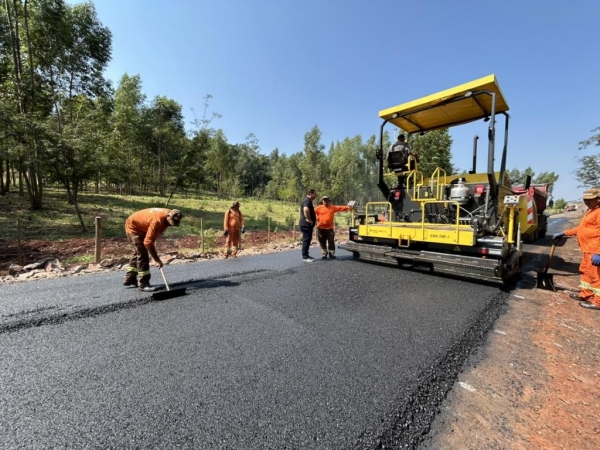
(276, 68)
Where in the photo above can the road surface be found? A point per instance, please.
(264, 352)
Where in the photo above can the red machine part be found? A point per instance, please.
(539, 193)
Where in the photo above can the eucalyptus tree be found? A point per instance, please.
(278, 171)
(518, 177)
(220, 162)
(252, 168)
(164, 122)
(124, 161)
(345, 168)
(314, 165)
(74, 75)
(56, 54)
(434, 150)
(588, 173)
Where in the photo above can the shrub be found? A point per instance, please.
(290, 220)
(210, 239)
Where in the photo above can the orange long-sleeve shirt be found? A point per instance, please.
(588, 232)
(151, 223)
(325, 215)
(233, 220)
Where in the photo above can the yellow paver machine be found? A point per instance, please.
(470, 224)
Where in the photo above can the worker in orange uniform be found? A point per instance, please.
(143, 229)
(233, 225)
(588, 238)
(325, 227)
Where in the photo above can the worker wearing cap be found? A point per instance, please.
(233, 225)
(143, 229)
(325, 225)
(588, 238)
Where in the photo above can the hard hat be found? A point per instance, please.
(175, 215)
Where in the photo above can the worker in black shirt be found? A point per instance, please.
(307, 223)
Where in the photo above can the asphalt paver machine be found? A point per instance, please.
(471, 224)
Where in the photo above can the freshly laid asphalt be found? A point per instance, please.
(263, 352)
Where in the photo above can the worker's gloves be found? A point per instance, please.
(557, 237)
(596, 259)
(243, 230)
(351, 203)
(225, 233)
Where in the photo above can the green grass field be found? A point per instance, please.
(58, 220)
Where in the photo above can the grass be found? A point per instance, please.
(58, 220)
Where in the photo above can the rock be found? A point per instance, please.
(53, 264)
(37, 265)
(123, 260)
(14, 269)
(107, 263)
(168, 259)
(79, 268)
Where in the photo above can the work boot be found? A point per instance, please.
(324, 256)
(332, 255)
(130, 279)
(575, 296)
(144, 283)
(589, 305)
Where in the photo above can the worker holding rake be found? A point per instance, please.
(233, 227)
(143, 229)
(588, 238)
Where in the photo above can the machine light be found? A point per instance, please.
(484, 251)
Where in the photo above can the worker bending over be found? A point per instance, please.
(143, 229)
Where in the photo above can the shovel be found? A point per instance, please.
(545, 280)
(169, 293)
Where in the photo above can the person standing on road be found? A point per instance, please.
(326, 227)
(588, 238)
(143, 229)
(307, 223)
(233, 225)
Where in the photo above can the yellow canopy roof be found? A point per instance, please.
(448, 108)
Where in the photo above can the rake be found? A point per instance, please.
(169, 293)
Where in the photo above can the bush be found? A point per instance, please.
(290, 220)
(210, 239)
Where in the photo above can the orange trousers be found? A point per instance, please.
(233, 240)
(589, 281)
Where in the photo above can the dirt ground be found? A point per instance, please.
(535, 384)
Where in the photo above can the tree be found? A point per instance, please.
(433, 150)
(165, 121)
(314, 167)
(518, 177)
(588, 174)
(345, 167)
(561, 203)
(123, 161)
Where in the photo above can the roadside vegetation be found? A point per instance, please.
(201, 213)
